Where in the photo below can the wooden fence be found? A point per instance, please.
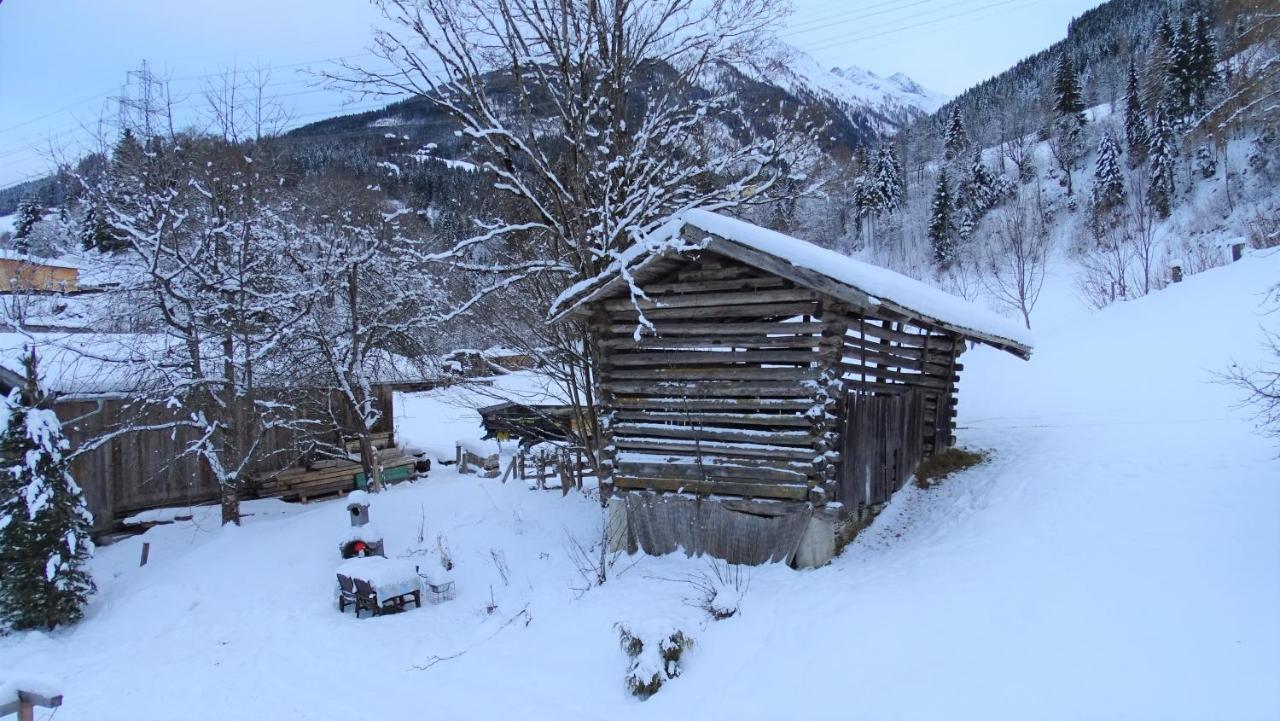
(148, 469)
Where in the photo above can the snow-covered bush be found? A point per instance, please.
(719, 589)
(44, 523)
(655, 649)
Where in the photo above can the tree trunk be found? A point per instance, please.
(369, 459)
(231, 502)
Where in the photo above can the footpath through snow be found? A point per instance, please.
(1118, 558)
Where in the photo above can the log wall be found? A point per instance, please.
(723, 392)
(728, 380)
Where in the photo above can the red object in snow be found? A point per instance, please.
(359, 548)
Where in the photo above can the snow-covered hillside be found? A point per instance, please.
(1119, 557)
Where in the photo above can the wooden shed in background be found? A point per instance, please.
(762, 396)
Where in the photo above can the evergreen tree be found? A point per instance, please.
(1204, 62)
(941, 232)
(954, 140)
(889, 186)
(1180, 73)
(94, 233)
(1108, 183)
(29, 213)
(1136, 135)
(1068, 99)
(1164, 156)
(1157, 71)
(44, 523)
(979, 192)
(1206, 162)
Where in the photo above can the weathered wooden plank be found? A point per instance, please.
(712, 285)
(761, 311)
(711, 404)
(682, 358)
(781, 374)
(673, 328)
(914, 337)
(772, 438)
(692, 449)
(705, 342)
(713, 299)
(803, 276)
(748, 490)
(915, 379)
(770, 420)
(692, 471)
(725, 269)
(709, 389)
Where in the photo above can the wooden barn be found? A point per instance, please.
(762, 397)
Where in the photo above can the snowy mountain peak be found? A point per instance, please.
(889, 103)
(898, 86)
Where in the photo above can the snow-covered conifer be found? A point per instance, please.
(44, 523)
(1204, 61)
(888, 180)
(1108, 182)
(1068, 99)
(941, 232)
(29, 213)
(1180, 72)
(1164, 155)
(1136, 135)
(954, 140)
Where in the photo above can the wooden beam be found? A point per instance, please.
(711, 404)
(675, 328)
(776, 438)
(746, 490)
(682, 358)
(710, 285)
(769, 420)
(781, 267)
(760, 312)
(712, 299)
(705, 472)
(692, 449)
(787, 374)
(709, 389)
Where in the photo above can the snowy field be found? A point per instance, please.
(1118, 558)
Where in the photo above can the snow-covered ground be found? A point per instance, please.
(1118, 558)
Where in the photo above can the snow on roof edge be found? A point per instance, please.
(908, 293)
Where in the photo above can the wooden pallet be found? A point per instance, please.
(334, 476)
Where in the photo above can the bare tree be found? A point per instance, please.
(206, 237)
(595, 122)
(1139, 221)
(1262, 383)
(1015, 255)
(380, 297)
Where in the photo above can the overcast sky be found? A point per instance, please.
(61, 61)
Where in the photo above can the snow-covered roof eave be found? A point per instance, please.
(855, 281)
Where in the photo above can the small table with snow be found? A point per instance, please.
(392, 581)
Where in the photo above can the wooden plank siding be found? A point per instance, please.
(148, 469)
(731, 381)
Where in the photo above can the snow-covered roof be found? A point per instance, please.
(804, 263)
(74, 364)
(6, 254)
(103, 364)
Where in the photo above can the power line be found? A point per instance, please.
(893, 31)
(825, 21)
